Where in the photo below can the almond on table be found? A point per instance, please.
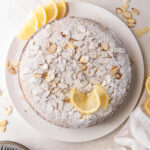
(119, 10)
(131, 20)
(131, 25)
(8, 110)
(127, 14)
(135, 11)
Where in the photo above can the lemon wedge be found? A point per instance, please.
(104, 97)
(29, 27)
(84, 104)
(147, 106)
(51, 10)
(147, 85)
(62, 8)
(41, 15)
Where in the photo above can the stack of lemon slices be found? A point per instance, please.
(90, 104)
(43, 14)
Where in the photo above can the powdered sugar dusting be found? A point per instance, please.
(73, 53)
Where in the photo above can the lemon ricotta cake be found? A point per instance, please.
(73, 53)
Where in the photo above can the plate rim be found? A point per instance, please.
(121, 122)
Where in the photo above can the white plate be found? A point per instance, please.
(80, 135)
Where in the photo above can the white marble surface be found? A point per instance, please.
(12, 14)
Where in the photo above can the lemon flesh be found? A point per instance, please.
(29, 27)
(41, 15)
(84, 104)
(104, 97)
(51, 10)
(62, 8)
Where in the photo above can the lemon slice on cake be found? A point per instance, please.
(41, 15)
(104, 97)
(62, 8)
(51, 10)
(147, 106)
(147, 85)
(84, 104)
(29, 27)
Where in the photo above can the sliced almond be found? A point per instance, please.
(125, 6)
(145, 29)
(105, 46)
(3, 123)
(52, 47)
(36, 75)
(138, 33)
(63, 34)
(67, 100)
(135, 11)
(83, 67)
(69, 45)
(3, 129)
(127, 14)
(81, 60)
(131, 25)
(119, 10)
(118, 76)
(7, 64)
(8, 110)
(132, 21)
(44, 75)
(114, 70)
(12, 70)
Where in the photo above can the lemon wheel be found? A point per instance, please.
(84, 104)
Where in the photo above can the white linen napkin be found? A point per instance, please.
(136, 132)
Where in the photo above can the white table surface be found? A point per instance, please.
(12, 14)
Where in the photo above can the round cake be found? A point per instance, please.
(73, 53)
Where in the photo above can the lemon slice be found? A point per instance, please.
(147, 106)
(51, 10)
(84, 104)
(29, 27)
(41, 15)
(62, 8)
(104, 97)
(147, 85)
